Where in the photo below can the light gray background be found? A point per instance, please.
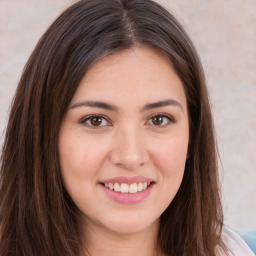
(224, 33)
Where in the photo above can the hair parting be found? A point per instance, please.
(37, 216)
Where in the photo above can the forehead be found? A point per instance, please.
(139, 73)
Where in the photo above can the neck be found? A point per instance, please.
(101, 241)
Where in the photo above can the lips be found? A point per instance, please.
(127, 189)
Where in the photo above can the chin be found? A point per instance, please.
(131, 225)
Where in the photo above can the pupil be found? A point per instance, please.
(158, 120)
(96, 121)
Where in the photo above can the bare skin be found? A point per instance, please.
(108, 244)
(127, 126)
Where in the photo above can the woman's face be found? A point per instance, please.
(123, 142)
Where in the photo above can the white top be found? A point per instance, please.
(235, 244)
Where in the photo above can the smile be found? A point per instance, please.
(127, 188)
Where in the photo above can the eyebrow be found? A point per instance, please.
(94, 104)
(164, 103)
(104, 105)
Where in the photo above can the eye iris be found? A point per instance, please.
(157, 120)
(96, 121)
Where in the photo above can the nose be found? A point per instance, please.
(129, 149)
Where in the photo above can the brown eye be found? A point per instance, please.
(95, 121)
(157, 120)
(160, 120)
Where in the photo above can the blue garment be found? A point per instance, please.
(250, 238)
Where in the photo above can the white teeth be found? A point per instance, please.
(140, 186)
(126, 188)
(133, 188)
(116, 187)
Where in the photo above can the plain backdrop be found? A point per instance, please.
(224, 33)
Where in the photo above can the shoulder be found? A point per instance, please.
(235, 244)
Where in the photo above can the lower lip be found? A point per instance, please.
(128, 198)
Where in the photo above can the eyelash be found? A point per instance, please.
(86, 119)
(89, 118)
(163, 115)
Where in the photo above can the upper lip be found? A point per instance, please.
(128, 180)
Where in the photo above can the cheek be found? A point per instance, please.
(170, 161)
(171, 156)
(79, 157)
(80, 163)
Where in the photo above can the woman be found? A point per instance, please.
(110, 144)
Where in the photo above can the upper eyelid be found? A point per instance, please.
(170, 121)
(85, 118)
(162, 114)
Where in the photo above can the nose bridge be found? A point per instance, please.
(129, 149)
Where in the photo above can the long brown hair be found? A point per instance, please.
(37, 217)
